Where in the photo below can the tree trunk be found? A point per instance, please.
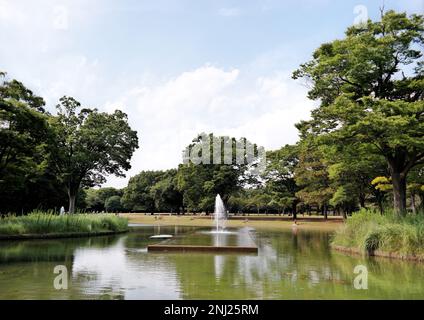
(413, 205)
(72, 200)
(72, 189)
(362, 200)
(294, 210)
(399, 192)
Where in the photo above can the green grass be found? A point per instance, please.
(368, 231)
(39, 222)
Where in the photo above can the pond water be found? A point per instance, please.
(288, 266)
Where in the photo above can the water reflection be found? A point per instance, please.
(288, 266)
(219, 239)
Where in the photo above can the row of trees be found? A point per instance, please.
(364, 143)
(46, 159)
(302, 178)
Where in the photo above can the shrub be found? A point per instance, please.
(368, 231)
(39, 222)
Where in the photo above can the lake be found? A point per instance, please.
(289, 265)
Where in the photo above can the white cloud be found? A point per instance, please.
(229, 12)
(10, 13)
(61, 18)
(41, 15)
(210, 99)
(42, 53)
(253, 101)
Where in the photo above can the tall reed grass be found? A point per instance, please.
(40, 222)
(368, 231)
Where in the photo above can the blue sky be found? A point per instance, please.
(178, 67)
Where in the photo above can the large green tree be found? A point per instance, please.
(165, 193)
(96, 198)
(89, 145)
(312, 176)
(279, 177)
(215, 165)
(351, 173)
(26, 178)
(113, 204)
(145, 189)
(371, 86)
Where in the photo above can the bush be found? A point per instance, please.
(39, 222)
(368, 231)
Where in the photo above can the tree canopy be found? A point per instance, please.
(371, 86)
(89, 145)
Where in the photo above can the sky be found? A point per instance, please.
(178, 68)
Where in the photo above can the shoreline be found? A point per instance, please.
(68, 235)
(377, 253)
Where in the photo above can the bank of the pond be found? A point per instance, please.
(378, 253)
(41, 225)
(318, 223)
(370, 233)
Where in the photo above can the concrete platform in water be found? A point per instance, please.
(187, 248)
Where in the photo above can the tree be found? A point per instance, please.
(219, 172)
(96, 198)
(138, 195)
(351, 172)
(416, 188)
(165, 193)
(311, 175)
(113, 204)
(237, 202)
(26, 178)
(279, 177)
(89, 145)
(371, 86)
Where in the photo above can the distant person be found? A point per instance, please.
(294, 227)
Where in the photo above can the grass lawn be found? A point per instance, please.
(204, 221)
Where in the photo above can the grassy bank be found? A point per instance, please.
(196, 221)
(373, 233)
(42, 223)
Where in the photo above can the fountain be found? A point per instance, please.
(220, 214)
(219, 237)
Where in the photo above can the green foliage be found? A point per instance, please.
(113, 204)
(370, 96)
(369, 124)
(151, 191)
(382, 183)
(311, 175)
(280, 177)
(24, 141)
(39, 222)
(368, 231)
(89, 145)
(200, 183)
(96, 198)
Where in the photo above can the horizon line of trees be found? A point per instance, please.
(363, 146)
